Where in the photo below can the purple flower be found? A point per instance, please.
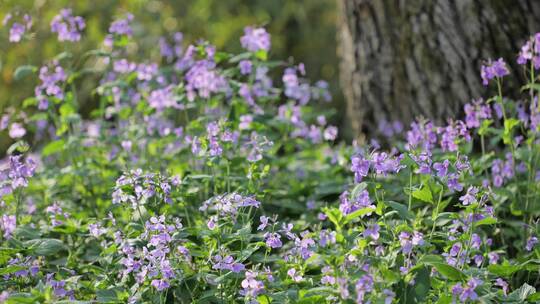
(160, 284)
(146, 71)
(255, 39)
(202, 79)
(294, 89)
(8, 223)
(327, 237)
(163, 98)
(245, 67)
(264, 222)
(531, 242)
(295, 276)
(470, 196)
(417, 238)
(273, 240)
(4, 295)
(384, 163)
(476, 112)
(500, 282)
(493, 69)
(442, 168)
(468, 291)
(17, 30)
(211, 224)
(422, 135)
(493, 257)
(227, 263)
(251, 286)
(453, 182)
(330, 133)
(16, 176)
(52, 80)
(360, 167)
(476, 241)
(347, 205)
(363, 287)
(123, 66)
(372, 231)
(67, 26)
(16, 130)
(478, 259)
(327, 277)
(455, 249)
(96, 230)
(405, 242)
(530, 51)
(120, 27)
(390, 295)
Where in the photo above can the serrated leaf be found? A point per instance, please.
(424, 194)
(522, 293)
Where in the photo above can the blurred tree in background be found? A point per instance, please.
(304, 30)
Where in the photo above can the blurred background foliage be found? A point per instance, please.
(301, 30)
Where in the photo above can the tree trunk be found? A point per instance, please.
(401, 59)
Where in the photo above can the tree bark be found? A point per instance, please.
(401, 59)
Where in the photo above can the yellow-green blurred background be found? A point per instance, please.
(303, 30)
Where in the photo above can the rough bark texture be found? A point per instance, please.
(406, 58)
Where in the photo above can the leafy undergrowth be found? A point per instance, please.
(199, 179)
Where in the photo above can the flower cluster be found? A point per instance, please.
(18, 28)
(139, 188)
(67, 26)
(151, 262)
(16, 175)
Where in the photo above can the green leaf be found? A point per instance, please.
(358, 213)
(323, 290)
(30, 101)
(504, 270)
(262, 55)
(534, 297)
(448, 271)
(263, 299)
(66, 109)
(357, 189)
(109, 295)
(423, 194)
(521, 294)
(484, 128)
(430, 258)
(20, 146)
(53, 147)
(335, 216)
(11, 269)
(509, 125)
(422, 284)
(45, 247)
(24, 71)
(401, 209)
(486, 221)
(6, 254)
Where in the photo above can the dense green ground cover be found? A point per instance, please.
(199, 178)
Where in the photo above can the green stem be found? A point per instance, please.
(410, 188)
